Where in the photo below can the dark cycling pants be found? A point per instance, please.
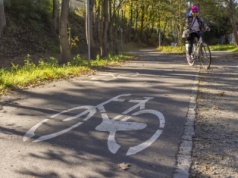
(190, 40)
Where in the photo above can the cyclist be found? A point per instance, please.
(194, 24)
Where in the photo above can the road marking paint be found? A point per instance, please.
(49, 136)
(142, 146)
(118, 123)
(31, 132)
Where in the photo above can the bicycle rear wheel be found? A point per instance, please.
(205, 56)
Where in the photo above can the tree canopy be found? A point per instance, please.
(116, 21)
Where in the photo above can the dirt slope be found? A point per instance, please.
(35, 37)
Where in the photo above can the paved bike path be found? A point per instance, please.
(163, 82)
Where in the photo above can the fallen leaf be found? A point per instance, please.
(15, 103)
(124, 166)
(221, 94)
(215, 107)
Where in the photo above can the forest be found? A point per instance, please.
(54, 27)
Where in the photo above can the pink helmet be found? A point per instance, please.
(194, 8)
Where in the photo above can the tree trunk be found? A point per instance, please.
(114, 29)
(142, 21)
(92, 42)
(136, 24)
(103, 36)
(64, 36)
(55, 16)
(97, 24)
(233, 20)
(130, 22)
(2, 18)
(7, 3)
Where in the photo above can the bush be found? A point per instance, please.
(30, 9)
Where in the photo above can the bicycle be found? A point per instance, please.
(107, 125)
(200, 53)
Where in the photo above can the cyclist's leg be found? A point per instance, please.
(190, 49)
(190, 42)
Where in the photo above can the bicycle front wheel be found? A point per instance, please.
(205, 56)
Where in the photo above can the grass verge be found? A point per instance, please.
(31, 74)
(171, 49)
(228, 48)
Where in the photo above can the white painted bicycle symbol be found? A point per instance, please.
(117, 123)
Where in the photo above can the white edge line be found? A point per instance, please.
(184, 158)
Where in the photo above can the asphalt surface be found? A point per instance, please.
(125, 121)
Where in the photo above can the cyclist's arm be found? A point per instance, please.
(204, 25)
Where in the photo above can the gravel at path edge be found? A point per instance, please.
(215, 144)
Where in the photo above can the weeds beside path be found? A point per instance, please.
(215, 151)
(38, 73)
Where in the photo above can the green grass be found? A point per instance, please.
(229, 48)
(30, 74)
(171, 49)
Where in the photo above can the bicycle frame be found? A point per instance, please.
(201, 52)
(199, 43)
